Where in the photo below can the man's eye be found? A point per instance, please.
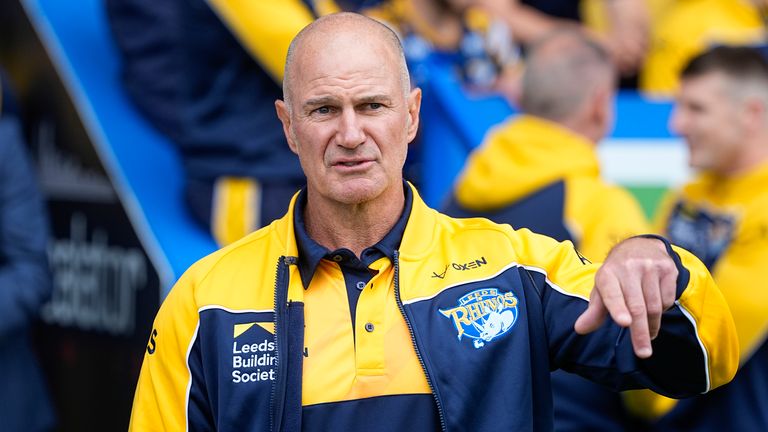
(374, 105)
(323, 110)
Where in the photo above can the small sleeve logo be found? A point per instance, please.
(152, 344)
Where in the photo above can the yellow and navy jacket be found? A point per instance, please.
(724, 221)
(533, 173)
(241, 344)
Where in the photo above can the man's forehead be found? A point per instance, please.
(344, 43)
(343, 59)
(708, 83)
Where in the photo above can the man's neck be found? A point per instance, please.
(752, 156)
(352, 226)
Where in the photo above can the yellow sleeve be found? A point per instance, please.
(717, 329)
(161, 393)
(265, 28)
(714, 323)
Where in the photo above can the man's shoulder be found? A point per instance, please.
(479, 227)
(454, 237)
(246, 266)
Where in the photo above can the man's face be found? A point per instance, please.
(710, 120)
(350, 121)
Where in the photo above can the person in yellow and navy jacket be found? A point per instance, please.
(722, 217)
(363, 309)
(540, 170)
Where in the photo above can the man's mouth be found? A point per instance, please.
(351, 163)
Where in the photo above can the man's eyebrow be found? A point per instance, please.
(376, 98)
(319, 101)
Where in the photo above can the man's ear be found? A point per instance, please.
(599, 108)
(602, 111)
(414, 107)
(754, 113)
(285, 119)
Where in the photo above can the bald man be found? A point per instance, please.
(362, 309)
(540, 171)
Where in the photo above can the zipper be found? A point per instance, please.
(277, 395)
(413, 340)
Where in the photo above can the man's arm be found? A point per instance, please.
(642, 279)
(696, 348)
(25, 281)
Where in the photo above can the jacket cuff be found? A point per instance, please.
(683, 275)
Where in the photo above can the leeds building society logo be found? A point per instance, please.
(484, 315)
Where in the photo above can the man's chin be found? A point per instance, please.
(358, 191)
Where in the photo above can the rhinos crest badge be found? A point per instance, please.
(483, 315)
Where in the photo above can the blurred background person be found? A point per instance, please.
(540, 171)
(682, 29)
(206, 74)
(722, 217)
(25, 281)
(620, 26)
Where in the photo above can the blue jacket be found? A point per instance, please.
(25, 284)
(489, 311)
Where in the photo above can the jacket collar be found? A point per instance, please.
(417, 238)
(311, 252)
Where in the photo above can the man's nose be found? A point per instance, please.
(350, 133)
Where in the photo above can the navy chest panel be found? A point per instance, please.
(477, 343)
(239, 366)
(706, 234)
(476, 316)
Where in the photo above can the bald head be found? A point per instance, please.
(324, 32)
(563, 70)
